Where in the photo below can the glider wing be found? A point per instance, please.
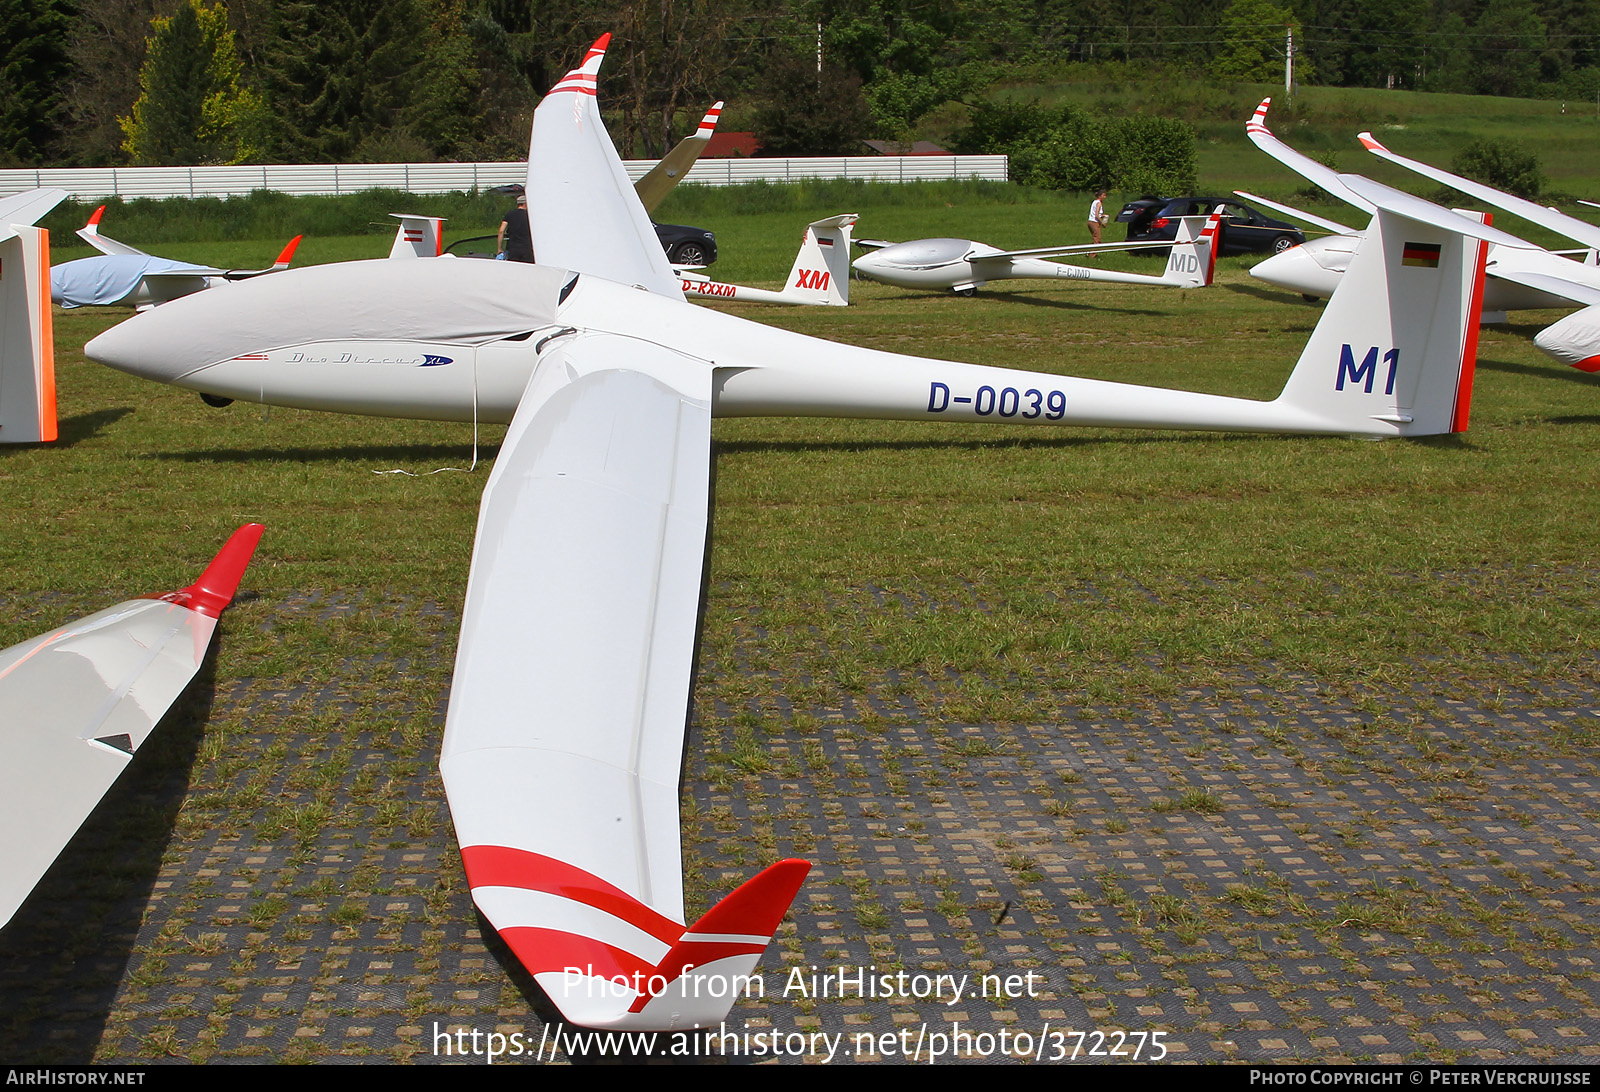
(583, 211)
(77, 703)
(565, 734)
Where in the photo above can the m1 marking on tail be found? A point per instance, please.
(1368, 369)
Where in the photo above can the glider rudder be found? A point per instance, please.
(27, 352)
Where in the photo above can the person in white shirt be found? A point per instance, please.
(1097, 215)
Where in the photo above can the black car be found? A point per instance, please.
(1244, 230)
(687, 245)
(684, 245)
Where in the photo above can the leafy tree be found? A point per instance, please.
(1070, 149)
(1510, 40)
(812, 113)
(1252, 33)
(33, 64)
(191, 107)
(1501, 164)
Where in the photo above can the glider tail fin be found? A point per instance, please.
(1398, 341)
(1193, 260)
(27, 353)
(417, 236)
(821, 272)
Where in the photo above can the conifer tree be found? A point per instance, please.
(33, 63)
(191, 107)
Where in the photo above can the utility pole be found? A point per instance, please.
(1288, 65)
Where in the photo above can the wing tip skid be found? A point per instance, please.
(216, 587)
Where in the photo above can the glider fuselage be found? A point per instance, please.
(462, 375)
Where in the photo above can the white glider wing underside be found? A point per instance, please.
(1559, 222)
(28, 208)
(583, 211)
(77, 703)
(564, 740)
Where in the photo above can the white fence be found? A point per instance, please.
(93, 184)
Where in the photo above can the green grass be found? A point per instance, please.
(1054, 568)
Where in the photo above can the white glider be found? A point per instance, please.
(564, 739)
(126, 276)
(820, 276)
(1521, 277)
(77, 703)
(27, 344)
(964, 266)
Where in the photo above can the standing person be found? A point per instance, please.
(1097, 215)
(516, 237)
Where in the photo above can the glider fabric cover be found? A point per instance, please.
(77, 703)
(465, 303)
(109, 278)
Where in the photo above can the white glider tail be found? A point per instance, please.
(417, 236)
(77, 703)
(820, 276)
(27, 343)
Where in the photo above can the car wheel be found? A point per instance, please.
(689, 254)
(1284, 242)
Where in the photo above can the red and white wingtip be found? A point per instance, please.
(608, 960)
(708, 124)
(93, 226)
(217, 585)
(584, 78)
(1258, 123)
(288, 253)
(1370, 143)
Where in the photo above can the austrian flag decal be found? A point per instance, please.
(1423, 254)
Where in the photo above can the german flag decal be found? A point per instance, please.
(1423, 254)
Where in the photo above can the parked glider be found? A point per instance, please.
(964, 266)
(820, 275)
(1523, 277)
(122, 275)
(568, 707)
(77, 704)
(27, 345)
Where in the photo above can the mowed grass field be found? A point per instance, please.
(999, 580)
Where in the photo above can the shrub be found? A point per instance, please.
(1503, 165)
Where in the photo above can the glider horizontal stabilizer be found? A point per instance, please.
(79, 702)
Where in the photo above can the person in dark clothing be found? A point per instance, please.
(516, 237)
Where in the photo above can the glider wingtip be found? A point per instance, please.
(757, 906)
(216, 587)
(288, 251)
(1370, 143)
(600, 44)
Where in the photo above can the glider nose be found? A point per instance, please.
(143, 347)
(1298, 270)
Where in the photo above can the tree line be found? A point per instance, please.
(104, 82)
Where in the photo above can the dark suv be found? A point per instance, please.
(1244, 230)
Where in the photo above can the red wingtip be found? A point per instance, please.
(600, 44)
(214, 590)
(1369, 143)
(94, 217)
(288, 252)
(757, 906)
